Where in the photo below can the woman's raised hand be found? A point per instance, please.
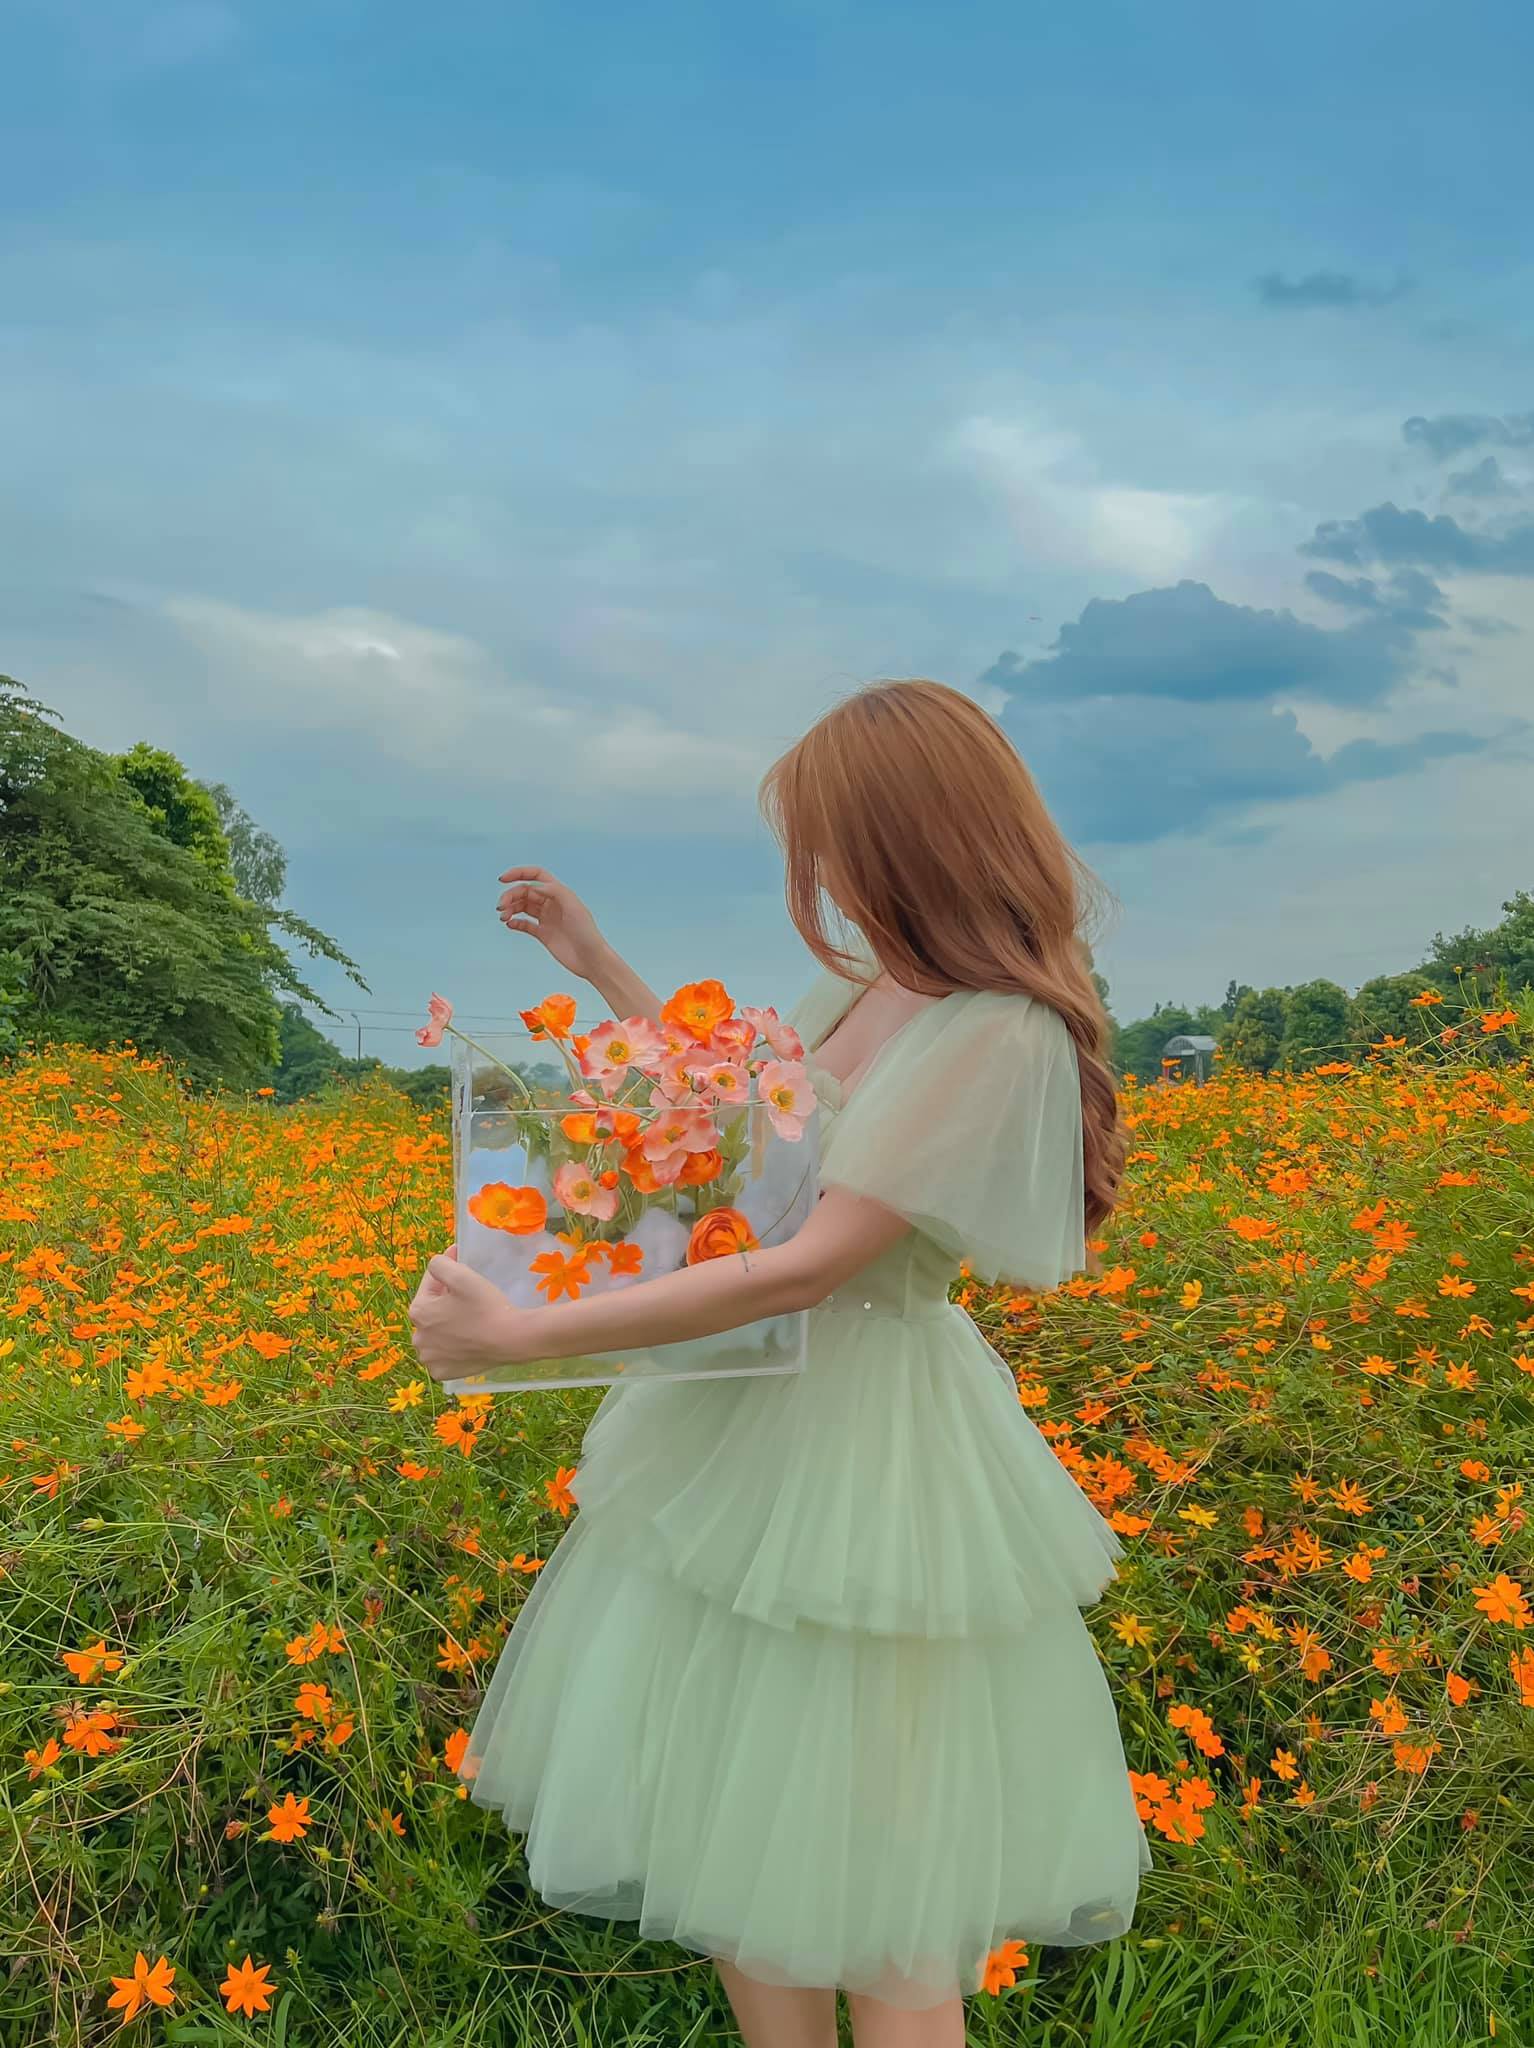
(552, 912)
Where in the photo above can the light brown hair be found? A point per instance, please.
(912, 802)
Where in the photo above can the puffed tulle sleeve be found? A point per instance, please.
(968, 1123)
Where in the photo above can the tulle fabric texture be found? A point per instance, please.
(806, 1684)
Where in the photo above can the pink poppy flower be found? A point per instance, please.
(784, 1040)
(613, 1048)
(674, 1078)
(579, 1193)
(734, 1037)
(725, 1082)
(676, 1132)
(440, 1012)
(784, 1086)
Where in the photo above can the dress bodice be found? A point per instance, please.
(967, 1121)
(913, 1277)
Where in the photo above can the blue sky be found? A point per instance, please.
(489, 433)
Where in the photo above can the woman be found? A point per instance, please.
(806, 1686)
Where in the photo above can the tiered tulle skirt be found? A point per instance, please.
(806, 1685)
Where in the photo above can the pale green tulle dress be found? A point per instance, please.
(806, 1684)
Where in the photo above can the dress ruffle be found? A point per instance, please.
(896, 1487)
(818, 1805)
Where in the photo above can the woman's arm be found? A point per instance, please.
(464, 1325)
(552, 913)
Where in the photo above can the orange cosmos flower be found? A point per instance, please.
(1503, 1600)
(521, 1211)
(1199, 1728)
(290, 1820)
(552, 1018)
(247, 1989)
(698, 1009)
(84, 1664)
(1002, 1966)
(717, 1233)
(91, 1734)
(40, 1760)
(1521, 1665)
(151, 1983)
(558, 1275)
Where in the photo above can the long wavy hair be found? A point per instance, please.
(909, 802)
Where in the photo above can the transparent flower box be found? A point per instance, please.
(507, 1160)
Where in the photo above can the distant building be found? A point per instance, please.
(1186, 1058)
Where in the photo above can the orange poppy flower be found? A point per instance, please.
(521, 1211)
(552, 1018)
(701, 1167)
(717, 1234)
(698, 1008)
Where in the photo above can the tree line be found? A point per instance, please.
(1292, 1029)
(140, 905)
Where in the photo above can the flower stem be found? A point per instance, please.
(510, 1072)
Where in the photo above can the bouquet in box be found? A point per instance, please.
(685, 1137)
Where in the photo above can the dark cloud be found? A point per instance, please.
(1409, 597)
(1186, 643)
(1325, 288)
(1160, 713)
(1451, 433)
(1485, 480)
(1387, 534)
(1125, 771)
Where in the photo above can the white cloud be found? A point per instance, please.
(441, 706)
(1065, 514)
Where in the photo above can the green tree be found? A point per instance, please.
(1482, 958)
(1316, 1025)
(1256, 1034)
(181, 809)
(258, 863)
(118, 901)
(1140, 1044)
(306, 1059)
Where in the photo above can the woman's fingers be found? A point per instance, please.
(527, 875)
(528, 896)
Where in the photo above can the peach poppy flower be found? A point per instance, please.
(784, 1086)
(782, 1039)
(580, 1192)
(722, 1081)
(439, 1013)
(678, 1130)
(613, 1048)
(734, 1038)
(521, 1211)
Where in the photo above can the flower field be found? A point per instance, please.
(254, 1568)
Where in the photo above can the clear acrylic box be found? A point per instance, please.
(505, 1159)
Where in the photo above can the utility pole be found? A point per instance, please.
(358, 1022)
